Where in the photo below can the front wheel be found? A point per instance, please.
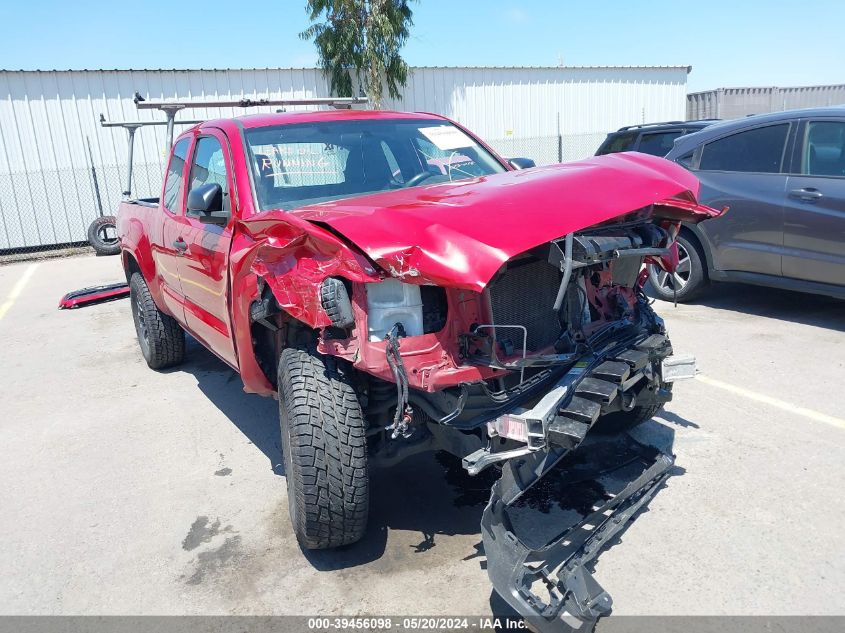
(325, 449)
(688, 279)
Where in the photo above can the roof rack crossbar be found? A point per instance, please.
(246, 102)
(170, 108)
(137, 124)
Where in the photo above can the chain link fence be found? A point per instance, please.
(547, 150)
(51, 210)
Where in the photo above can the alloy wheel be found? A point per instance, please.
(672, 282)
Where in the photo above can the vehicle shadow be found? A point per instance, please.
(428, 493)
(255, 416)
(786, 305)
(673, 418)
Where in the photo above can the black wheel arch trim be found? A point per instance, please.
(704, 242)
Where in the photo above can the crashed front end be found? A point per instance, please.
(501, 320)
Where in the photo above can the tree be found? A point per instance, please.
(361, 39)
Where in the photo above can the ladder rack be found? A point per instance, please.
(170, 108)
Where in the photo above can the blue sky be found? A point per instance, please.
(728, 43)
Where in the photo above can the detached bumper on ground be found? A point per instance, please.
(94, 295)
(553, 508)
(537, 562)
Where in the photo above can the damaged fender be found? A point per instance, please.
(293, 257)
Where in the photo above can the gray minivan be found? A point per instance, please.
(782, 176)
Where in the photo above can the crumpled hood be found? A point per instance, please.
(459, 234)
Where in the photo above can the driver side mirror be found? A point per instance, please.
(206, 202)
(521, 163)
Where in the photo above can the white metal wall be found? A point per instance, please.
(733, 103)
(48, 119)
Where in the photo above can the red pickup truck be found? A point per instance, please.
(400, 287)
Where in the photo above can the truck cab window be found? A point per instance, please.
(395, 170)
(173, 197)
(301, 164)
(209, 165)
(450, 162)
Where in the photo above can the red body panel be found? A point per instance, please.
(455, 235)
(459, 234)
(91, 296)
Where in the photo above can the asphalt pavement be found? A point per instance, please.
(130, 491)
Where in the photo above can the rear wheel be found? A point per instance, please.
(688, 279)
(161, 338)
(102, 235)
(325, 449)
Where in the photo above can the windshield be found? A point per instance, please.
(306, 163)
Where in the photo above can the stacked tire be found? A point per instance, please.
(102, 235)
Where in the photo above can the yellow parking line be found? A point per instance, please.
(774, 402)
(17, 289)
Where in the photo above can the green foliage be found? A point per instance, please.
(361, 39)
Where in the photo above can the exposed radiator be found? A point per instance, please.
(524, 295)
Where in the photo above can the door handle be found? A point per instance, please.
(809, 193)
(180, 245)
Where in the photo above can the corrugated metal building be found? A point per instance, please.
(733, 103)
(58, 167)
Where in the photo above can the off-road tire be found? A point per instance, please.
(97, 239)
(621, 421)
(697, 278)
(325, 449)
(161, 338)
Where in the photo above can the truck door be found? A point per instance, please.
(814, 221)
(165, 246)
(203, 267)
